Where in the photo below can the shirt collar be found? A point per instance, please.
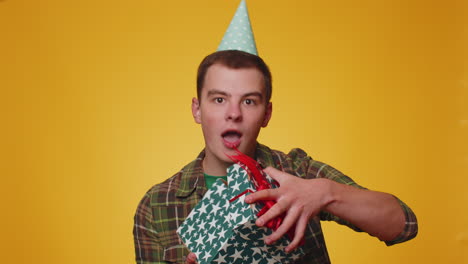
(192, 178)
(192, 175)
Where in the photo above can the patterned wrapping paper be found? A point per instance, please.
(220, 231)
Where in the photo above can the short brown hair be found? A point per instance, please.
(234, 59)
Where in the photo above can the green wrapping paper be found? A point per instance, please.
(220, 231)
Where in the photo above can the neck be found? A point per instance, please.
(214, 168)
(217, 167)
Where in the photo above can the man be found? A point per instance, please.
(232, 105)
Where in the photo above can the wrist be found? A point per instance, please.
(329, 193)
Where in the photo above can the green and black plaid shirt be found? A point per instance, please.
(165, 206)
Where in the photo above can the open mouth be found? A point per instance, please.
(231, 138)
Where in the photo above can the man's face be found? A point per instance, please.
(231, 111)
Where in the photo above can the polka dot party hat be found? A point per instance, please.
(239, 35)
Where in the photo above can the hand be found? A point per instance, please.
(300, 199)
(191, 259)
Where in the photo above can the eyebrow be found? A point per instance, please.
(218, 92)
(256, 94)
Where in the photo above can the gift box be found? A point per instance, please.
(221, 228)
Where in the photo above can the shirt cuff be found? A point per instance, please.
(411, 226)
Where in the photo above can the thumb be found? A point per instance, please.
(276, 174)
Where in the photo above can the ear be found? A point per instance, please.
(267, 116)
(196, 110)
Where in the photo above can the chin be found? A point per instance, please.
(249, 152)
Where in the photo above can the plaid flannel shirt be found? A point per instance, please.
(165, 206)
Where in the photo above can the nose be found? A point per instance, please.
(234, 113)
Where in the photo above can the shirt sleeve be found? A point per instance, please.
(411, 226)
(148, 249)
(317, 169)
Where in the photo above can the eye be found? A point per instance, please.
(249, 102)
(219, 100)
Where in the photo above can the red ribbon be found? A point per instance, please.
(258, 178)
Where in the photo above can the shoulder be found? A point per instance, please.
(166, 204)
(298, 162)
(158, 193)
(295, 162)
(267, 154)
(178, 187)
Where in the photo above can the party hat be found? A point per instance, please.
(239, 35)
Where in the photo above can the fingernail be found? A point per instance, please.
(268, 241)
(247, 199)
(259, 222)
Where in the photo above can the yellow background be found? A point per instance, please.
(95, 109)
